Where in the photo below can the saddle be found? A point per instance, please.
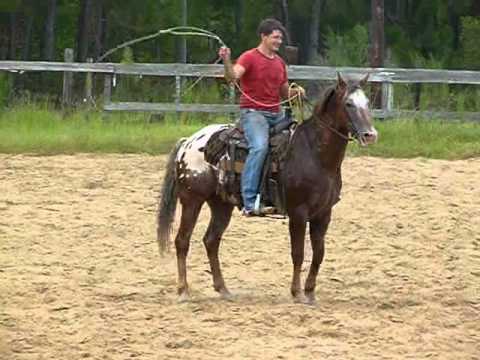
(227, 150)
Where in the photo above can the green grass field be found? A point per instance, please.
(33, 129)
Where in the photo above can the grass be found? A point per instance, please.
(408, 138)
(36, 129)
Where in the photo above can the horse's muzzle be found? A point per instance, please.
(367, 137)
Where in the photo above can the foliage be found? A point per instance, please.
(4, 89)
(471, 50)
(420, 33)
(348, 49)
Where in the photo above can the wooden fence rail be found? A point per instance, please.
(386, 76)
(297, 72)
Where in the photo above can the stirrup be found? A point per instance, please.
(261, 210)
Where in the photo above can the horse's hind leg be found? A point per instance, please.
(221, 213)
(188, 220)
(318, 228)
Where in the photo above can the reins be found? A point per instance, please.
(329, 127)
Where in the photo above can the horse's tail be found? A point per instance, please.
(167, 203)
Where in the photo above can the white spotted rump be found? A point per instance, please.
(359, 99)
(189, 154)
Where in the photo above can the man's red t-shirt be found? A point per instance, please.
(262, 80)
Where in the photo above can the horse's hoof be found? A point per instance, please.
(310, 298)
(226, 295)
(183, 297)
(299, 298)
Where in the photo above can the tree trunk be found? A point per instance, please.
(182, 42)
(239, 12)
(12, 51)
(314, 28)
(105, 25)
(100, 27)
(83, 33)
(286, 19)
(28, 39)
(49, 46)
(475, 8)
(377, 47)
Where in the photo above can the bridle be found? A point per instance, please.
(326, 125)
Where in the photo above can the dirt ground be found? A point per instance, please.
(80, 274)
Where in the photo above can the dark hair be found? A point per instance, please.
(267, 26)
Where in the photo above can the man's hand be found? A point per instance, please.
(224, 53)
(300, 91)
(295, 90)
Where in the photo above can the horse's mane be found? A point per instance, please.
(321, 105)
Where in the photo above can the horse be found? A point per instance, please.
(311, 178)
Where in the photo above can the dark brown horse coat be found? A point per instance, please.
(312, 180)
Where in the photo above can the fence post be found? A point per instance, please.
(387, 98)
(89, 85)
(107, 89)
(67, 98)
(178, 93)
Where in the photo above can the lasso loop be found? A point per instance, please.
(178, 30)
(195, 31)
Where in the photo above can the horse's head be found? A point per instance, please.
(351, 109)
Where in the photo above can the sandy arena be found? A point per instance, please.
(81, 277)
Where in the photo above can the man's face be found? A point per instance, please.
(273, 41)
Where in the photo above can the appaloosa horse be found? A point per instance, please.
(311, 179)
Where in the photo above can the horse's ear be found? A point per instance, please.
(341, 84)
(364, 80)
(327, 95)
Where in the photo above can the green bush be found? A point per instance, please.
(348, 49)
(4, 89)
(469, 40)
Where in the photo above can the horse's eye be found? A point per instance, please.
(350, 104)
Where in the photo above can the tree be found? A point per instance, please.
(100, 28)
(83, 33)
(182, 43)
(49, 41)
(317, 10)
(377, 47)
(286, 17)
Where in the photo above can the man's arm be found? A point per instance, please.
(284, 91)
(232, 72)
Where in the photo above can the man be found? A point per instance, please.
(263, 80)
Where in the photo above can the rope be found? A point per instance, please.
(198, 80)
(178, 30)
(289, 100)
(299, 101)
(195, 31)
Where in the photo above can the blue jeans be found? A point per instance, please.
(256, 125)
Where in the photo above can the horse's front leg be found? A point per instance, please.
(297, 226)
(318, 229)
